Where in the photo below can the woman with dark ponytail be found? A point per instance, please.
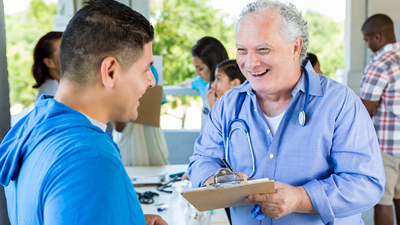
(46, 63)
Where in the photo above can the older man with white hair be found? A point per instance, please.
(310, 134)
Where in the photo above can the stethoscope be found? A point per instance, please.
(245, 129)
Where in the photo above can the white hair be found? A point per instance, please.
(291, 26)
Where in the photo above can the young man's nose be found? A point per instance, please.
(151, 80)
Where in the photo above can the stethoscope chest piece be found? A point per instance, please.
(302, 118)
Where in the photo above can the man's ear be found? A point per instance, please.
(377, 37)
(49, 63)
(298, 44)
(109, 71)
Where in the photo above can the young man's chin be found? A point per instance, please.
(128, 117)
(134, 116)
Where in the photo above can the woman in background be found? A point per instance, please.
(314, 62)
(206, 54)
(46, 63)
(227, 76)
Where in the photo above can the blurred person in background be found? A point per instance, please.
(227, 76)
(379, 93)
(206, 54)
(314, 62)
(46, 63)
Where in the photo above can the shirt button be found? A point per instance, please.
(271, 156)
(268, 131)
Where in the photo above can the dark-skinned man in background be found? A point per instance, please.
(380, 94)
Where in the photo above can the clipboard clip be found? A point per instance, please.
(225, 178)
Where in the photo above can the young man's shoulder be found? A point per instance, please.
(385, 58)
(83, 142)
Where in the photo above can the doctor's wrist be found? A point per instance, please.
(210, 180)
(304, 202)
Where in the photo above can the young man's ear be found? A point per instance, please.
(377, 37)
(109, 71)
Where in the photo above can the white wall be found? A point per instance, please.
(354, 43)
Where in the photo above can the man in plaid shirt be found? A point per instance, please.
(380, 93)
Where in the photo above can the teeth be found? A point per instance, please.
(259, 72)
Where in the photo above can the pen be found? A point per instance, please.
(161, 207)
(226, 164)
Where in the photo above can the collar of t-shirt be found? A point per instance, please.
(273, 122)
(96, 123)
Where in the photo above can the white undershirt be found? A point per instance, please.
(273, 122)
(96, 123)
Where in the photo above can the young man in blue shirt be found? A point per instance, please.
(57, 164)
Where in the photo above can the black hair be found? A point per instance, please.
(312, 58)
(231, 69)
(100, 29)
(43, 49)
(211, 52)
(379, 23)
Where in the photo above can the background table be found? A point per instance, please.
(171, 215)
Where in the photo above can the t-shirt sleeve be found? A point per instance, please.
(90, 191)
(196, 82)
(374, 82)
(199, 84)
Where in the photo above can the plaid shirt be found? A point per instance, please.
(381, 82)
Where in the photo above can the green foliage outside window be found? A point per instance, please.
(23, 30)
(178, 25)
(326, 41)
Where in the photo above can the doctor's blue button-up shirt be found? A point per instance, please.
(335, 156)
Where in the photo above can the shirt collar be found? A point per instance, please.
(96, 123)
(315, 83)
(385, 49)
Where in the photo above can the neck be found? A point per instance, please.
(89, 102)
(388, 41)
(54, 75)
(392, 40)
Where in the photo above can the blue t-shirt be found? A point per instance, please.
(200, 85)
(58, 168)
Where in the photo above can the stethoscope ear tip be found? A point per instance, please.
(302, 118)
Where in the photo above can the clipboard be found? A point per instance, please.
(204, 199)
(150, 107)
